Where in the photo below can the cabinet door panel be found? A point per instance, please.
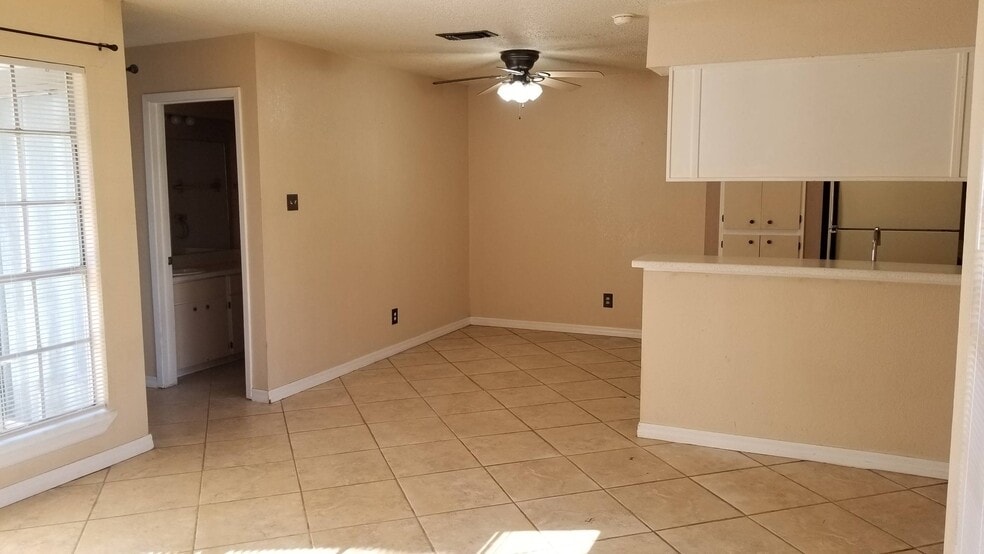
(746, 246)
(188, 331)
(201, 331)
(781, 204)
(779, 246)
(742, 205)
(684, 124)
(898, 114)
(215, 327)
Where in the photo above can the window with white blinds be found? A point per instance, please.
(51, 361)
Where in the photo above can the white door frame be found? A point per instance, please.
(965, 498)
(155, 160)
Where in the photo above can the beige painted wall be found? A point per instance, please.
(815, 361)
(97, 20)
(379, 160)
(563, 199)
(684, 33)
(205, 64)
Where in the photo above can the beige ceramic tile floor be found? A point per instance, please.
(485, 440)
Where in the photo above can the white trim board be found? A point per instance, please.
(158, 225)
(558, 327)
(56, 434)
(797, 450)
(153, 382)
(60, 476)
(300, 385)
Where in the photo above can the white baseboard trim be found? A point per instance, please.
(152, 382)
(799, 451)
(295, 387)
(558, 327)
(261, 396)
(60, 476)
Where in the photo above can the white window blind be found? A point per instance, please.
(51, 361)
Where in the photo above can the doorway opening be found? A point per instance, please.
(196, 200)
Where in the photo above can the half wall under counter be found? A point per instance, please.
(842, 362)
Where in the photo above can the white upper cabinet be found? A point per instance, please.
(897, 116)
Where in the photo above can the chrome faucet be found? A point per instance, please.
(875, 243)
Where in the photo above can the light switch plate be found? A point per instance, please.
(292, 203)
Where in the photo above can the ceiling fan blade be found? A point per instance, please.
(510, 71)
(467, 79)
(490, 89)
(558, 84)
(573, 74)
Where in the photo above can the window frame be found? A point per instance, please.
(53, 433)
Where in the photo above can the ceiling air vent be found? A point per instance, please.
(467, 35)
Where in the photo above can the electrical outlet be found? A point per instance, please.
(607, 300)
(292, 203)
(395, 317)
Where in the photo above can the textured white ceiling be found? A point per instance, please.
(400, 33)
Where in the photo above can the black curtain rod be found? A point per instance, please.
(99, 45)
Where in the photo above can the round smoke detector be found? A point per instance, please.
(623, 18)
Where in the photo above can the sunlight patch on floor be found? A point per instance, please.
(514, 542)
(505, 542)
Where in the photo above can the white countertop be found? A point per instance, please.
(810, 269)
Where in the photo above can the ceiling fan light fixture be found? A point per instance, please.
(505, 91)
(519, 92)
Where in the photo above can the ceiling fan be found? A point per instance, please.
(520, 84)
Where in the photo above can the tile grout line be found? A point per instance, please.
(201, 481)
(601, 489)
(837, 502)
(399, 485)
(749, 516)
(297, 478)
(443, 419)
(482, 466)
(230, 501)
(875, 525)
(88, 517)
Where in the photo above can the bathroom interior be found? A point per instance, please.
(204, 220)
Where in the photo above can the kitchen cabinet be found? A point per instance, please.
(208, 321)
(779, 246)
(762, 219)
(745, 246)
(760, 246)
(773, 206)
(890, 116)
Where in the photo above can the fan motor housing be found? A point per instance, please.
(520, 60)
